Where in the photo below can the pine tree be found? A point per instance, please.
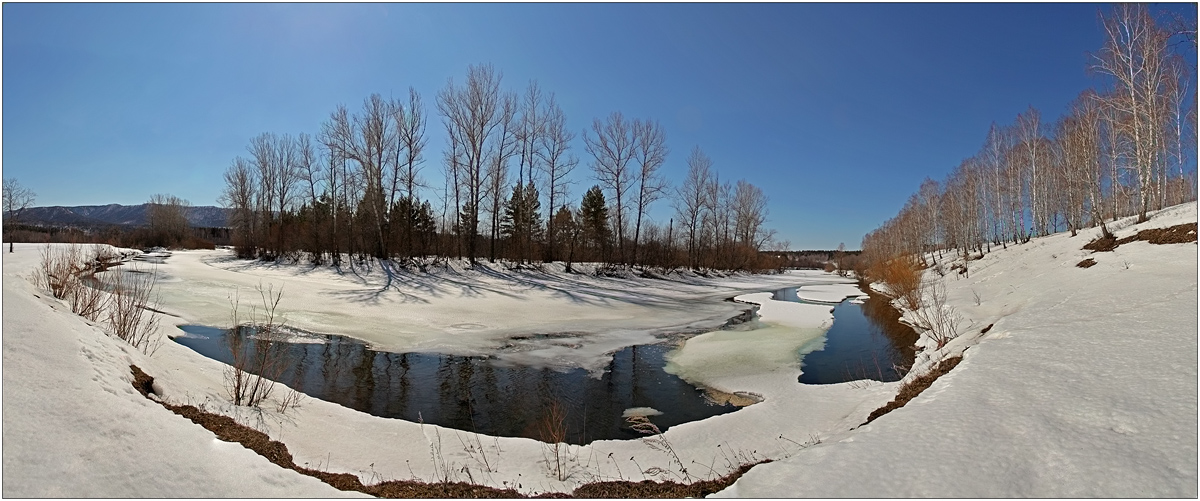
(593, 212)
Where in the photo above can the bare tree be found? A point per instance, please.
(500, 151)
(650, 153)
(612, 148)
(166, 216)
(471, 114)
(17, 198)
(1134, 54)
(750, 212)
(239, 195)
(557, 164)
(689, 201)
(410, 127)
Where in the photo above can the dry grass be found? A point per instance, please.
(1178, 234)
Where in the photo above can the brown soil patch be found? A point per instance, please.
(913, 388)
(1178, 234)
(1086, 263)
(229, 430)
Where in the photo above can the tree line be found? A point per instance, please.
(354, 190)
(1118, 151)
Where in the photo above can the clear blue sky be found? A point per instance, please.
(837, 111)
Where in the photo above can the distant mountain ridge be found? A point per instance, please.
(205, 216)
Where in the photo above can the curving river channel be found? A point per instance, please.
(475, 394)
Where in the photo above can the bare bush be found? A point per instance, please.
(937, 317)
(131, 298)
(903, 277)
(552, 429)
(59, 269)
(259, 354)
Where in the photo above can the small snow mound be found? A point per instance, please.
(640, 411)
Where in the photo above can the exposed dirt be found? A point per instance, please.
(1178, 234)
(913, 388)
(1086, 263)
(229, 430)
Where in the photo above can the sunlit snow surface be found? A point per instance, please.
(1084, 387)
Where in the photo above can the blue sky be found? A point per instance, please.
(837, 111)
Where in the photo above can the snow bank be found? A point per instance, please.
(75, 427)
(1085, 385)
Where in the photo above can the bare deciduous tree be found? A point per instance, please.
(612, 147)
(689, 201)
(557, 164)
(471, 114)
(17, 198)
(650, 153)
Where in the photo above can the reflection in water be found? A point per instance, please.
(866, 341)
(475, 394)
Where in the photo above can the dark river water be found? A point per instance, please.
(866, 341)
(476, 394)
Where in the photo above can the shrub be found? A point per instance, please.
(130, 301)
(903, 278)
(257, 363)
(937, 317)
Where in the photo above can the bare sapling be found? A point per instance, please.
(938, 318)
(131, 299)
(258, 351)
(552, 429)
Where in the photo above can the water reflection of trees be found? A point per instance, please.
(476, 394)
(879, 310)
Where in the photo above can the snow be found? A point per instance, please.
(1085, 386)
(75, 427)
(451, 310)
(828, 293)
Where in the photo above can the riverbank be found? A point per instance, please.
(451, 310)
(1085, 384)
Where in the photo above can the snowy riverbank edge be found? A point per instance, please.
(74, 426)
(1085, 386)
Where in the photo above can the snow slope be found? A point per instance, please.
(75, 427)
(1085, 386)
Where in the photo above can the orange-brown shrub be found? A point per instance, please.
(903, 277)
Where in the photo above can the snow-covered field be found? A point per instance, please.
(449, 310)
(1084, 386)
